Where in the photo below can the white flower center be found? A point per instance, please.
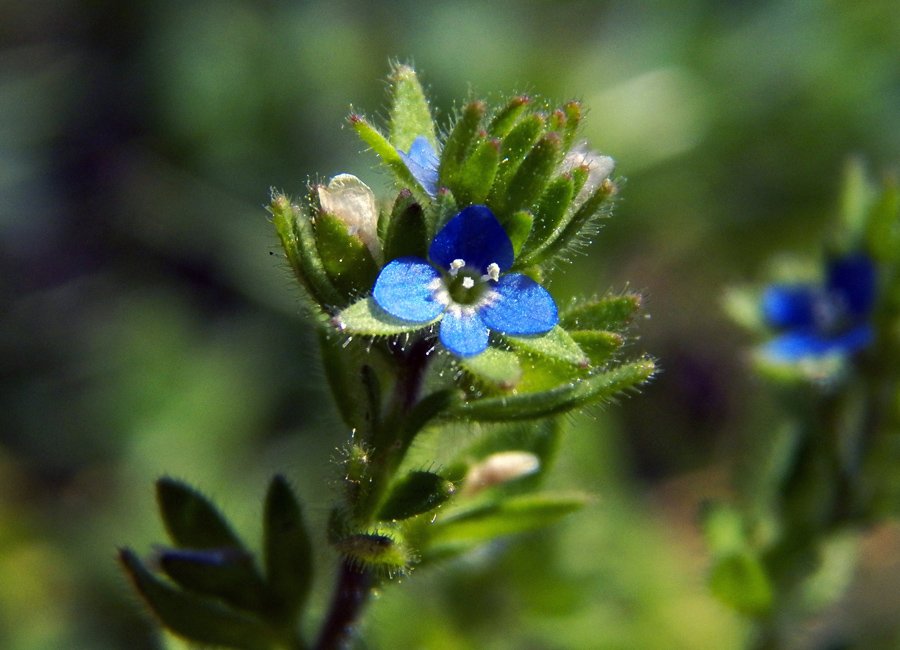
(464, 290)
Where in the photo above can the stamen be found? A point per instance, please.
(455, 266)
(493, 272)
(468, 282)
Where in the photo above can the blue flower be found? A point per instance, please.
(820, 321)
(422, 162)
(463, 286)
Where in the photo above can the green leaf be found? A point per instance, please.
(550, 210)
(518, 227)
(299, 242)
(598, 346)
(574, 226)
(724, 529)
(191, 520)
(472, 184)
(367, 318)
(460, 142)
(288, 550)
(428, 408)
(341, 361)
(498, 368)
(611, 314)
(740, 581)
(413, 494)
(576, 394)
(513, 515)
(389, 156)
(407, 231)
(516, 146)
(193, 617)
(573, 121)
(346, 258)
(534, 174)
(225, 573)
(505, 119)
(555, 344)
(410, 116)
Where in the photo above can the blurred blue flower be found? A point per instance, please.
(422, 162)
(462, 286)
(820, 321)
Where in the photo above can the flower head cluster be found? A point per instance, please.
(464, 286)
(821, 321)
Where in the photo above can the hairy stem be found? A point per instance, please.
(350, 596)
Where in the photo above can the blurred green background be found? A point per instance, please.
(147, 329)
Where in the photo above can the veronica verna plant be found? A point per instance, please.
(809, 483)
(433, 314)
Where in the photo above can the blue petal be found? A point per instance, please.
(465, 335)
(794, 346)
(473, 235)
(797, 345)
(422, 162)
(853, 278)
(786, 306)
(402, 290)
(523, 307)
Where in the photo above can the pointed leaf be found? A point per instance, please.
(518, 228)
(555, 344)
(389, 156)
(193, 617)
(367, 318)
(413, 494)
(225, 573)
(576, 394)
(550, 210)
(505, 119)
(515, 147)
(191, 520)
(612, 314)
(598, 345)
(299, 242)
(410, 116)
(573, 121)
(534, 174)
(509, 516)
(472, 184)
(460, 142)
(288, 549)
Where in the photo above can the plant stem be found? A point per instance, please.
(352, 592)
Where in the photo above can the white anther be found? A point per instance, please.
(493, 272)
(455, 266)
(468, 282)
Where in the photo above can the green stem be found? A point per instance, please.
(390, 440)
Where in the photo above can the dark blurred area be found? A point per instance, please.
(148, 327)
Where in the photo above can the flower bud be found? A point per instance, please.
(350, 200)
(500, 468)
(599, 168)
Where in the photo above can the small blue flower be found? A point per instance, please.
(463, 286)
(820, 321)
(422, 162)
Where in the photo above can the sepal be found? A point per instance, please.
(367, 318)
(414, 494)
(410, 115)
